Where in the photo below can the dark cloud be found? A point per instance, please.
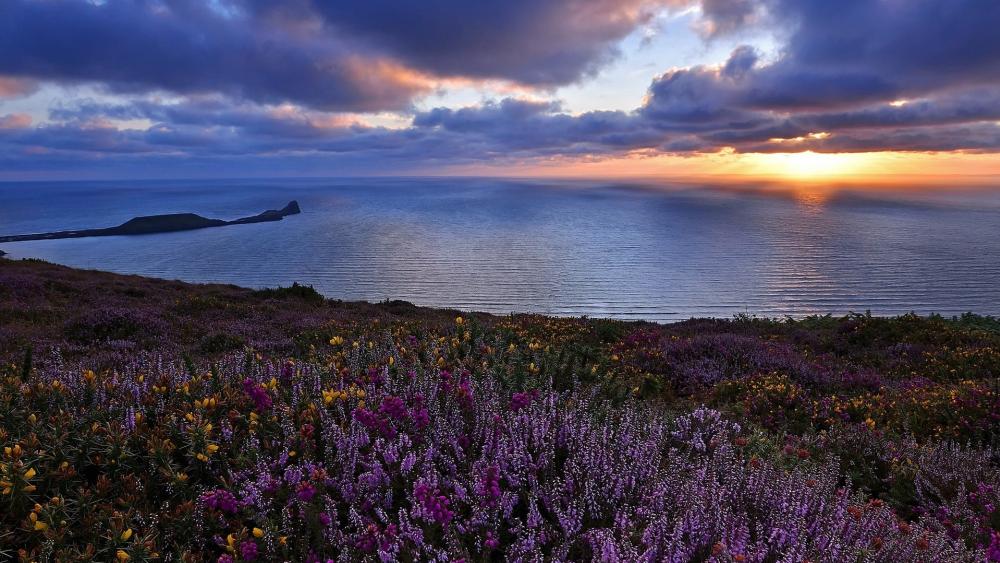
(726, 16)
(918, 45)
(335, 55)
(546, 43)
(973, 137)
(740, 62)
(857, 51)
(842, 66)
(184, 47)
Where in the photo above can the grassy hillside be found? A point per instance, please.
(155, 420)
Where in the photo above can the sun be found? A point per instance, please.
(809, 165)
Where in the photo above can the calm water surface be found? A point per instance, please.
(549, 247)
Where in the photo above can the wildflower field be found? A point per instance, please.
(146, 420)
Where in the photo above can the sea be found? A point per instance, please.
(655, 251)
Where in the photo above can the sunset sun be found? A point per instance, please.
(809, 165)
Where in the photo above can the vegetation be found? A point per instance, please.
(154, 420)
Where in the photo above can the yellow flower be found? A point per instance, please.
(30, 473)
(258, 533)
(40, 526)
(459, 321)
(336, 341)
(126, 534)
(121, 555)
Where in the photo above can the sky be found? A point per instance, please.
(798, 90)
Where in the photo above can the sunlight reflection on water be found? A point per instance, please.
(548, 247)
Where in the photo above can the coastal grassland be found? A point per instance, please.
(154, 420)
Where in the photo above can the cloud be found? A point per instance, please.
(139, 46)
(726, 16)
(15, 121)
(841, 68)
(539, 43)
(289, 82)
(16, 87)
(333, 55)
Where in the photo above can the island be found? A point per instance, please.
(167, 223)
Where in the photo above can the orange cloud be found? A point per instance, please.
(15, 121)
(16, 87)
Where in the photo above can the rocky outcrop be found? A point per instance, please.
(161, 224)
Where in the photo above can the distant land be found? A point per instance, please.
(160, 224)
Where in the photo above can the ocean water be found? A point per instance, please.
(566, 248)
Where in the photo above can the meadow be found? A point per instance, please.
(149, 420)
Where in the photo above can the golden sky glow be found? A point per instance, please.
(884, 168)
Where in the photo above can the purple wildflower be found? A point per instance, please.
(519, 401)
(221, 500)
(434, 503)
(489, 486)
(393, 407)
(262, 401)
(305, 491)
(248, 551)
